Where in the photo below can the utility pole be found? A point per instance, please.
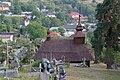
(30, 42)
(7, 55)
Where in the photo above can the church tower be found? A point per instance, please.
(79, 37)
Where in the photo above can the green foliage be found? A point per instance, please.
(67, 65)
(35, 30)
(90, 36)
(55, 30)
(38, 15)
(30, 6)
(3, 28)
(25, 69)
(16, 8)
(2, 53)
(107, 28)
(67, 6)
(55, 37)
(118, 58)
(9, 24)
(36, 43)
(50, 7)
(63, 17)
(46, 22)
(35, 64)
(22, 42)
(55, 22)
(61, 31)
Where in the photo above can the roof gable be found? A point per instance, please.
(63, 47)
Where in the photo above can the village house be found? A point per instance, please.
(54, 34)
(10, 33)
(73, 50)
(9, 3)
(25, 22)
(51, 15)
(69, 33)
(6, 38)
(4, 7)
(75, 17)
(70, 29)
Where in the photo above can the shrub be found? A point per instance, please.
(67, 64)
(36, 64)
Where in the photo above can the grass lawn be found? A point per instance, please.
(95, 72)
(24, 0)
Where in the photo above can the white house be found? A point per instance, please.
(25, 22)
(6, 38)
(50, 15)
(69, 33)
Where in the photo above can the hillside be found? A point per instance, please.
(87, 1)
(98, 1)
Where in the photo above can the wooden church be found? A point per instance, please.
(73, 50)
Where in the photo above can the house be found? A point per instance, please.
(4, 7)
(69, 33)
(70, 27)
(75, 16)
(9, 3)
(25, 22)
(10, 33)
(40, 40)
(6, 38)
(72, 49)
(26, 13)
(54, 34)
(54, 28)
(51, 15)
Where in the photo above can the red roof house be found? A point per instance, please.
(75, 15)
(54, 34)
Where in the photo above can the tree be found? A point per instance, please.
(46, 22)
(16, 22)
(61, 16)
(30, 6)
(1, 18)
(8, 23)
(61, 31)
(37, 15)
(2, 53)
(108, 15)
(3, 28)
(17, 9)
(97, 43)
(55, 22)
(35, 30)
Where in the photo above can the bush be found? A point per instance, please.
(36, 64)
(25, 69)
(67, 64)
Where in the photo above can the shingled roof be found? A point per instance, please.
(56, 48)
(74, 50)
